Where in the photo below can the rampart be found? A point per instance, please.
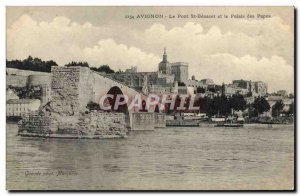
(16, 81)
(22, 78)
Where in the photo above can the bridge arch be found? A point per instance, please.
(114, 91)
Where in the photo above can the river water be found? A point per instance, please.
(253, 157)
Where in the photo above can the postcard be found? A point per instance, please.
(150, 98)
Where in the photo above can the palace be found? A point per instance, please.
(170, 78)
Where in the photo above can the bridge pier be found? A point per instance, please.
(147, 121)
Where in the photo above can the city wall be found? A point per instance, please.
(16, 81)
(20, 72)
(38, 80)
(23, 78)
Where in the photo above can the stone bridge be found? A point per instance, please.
(103, 85)
(73, 88)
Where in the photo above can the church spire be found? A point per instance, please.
(165, 55)
(164, 66)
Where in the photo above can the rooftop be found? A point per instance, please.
(179, 64)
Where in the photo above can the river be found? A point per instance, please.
(253, 157)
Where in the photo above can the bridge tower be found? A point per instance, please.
(71, 89)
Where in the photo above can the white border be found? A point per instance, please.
(5, 3)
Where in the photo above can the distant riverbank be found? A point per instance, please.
(253, 125)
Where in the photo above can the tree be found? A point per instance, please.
(277, 108)
(103, 68)
(220, 89)
(212, 89)
(217, 105)
(211, 107)
(33, 64)
(237, 102)
(200, 90)
(224, 105)
(223, 89)
(261, 105)
(119, 71)
(251, 111)
(203, 104)
(249, 94)
(28, 92)
(181, 84)
(81, 64)
(156, 109)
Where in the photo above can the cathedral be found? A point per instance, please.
(164, 66)
(170, 77)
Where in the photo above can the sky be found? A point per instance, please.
(223, 49)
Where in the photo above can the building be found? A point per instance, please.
(165, 80)
(131, 70)
(207, 81)
(258, 88)
(180, 71)
(195, 83)
(136, 80)
(19, 107)
(282, 93)
(207, 87)
(272, 99)
(229, 90)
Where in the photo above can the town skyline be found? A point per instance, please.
(135, 69)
